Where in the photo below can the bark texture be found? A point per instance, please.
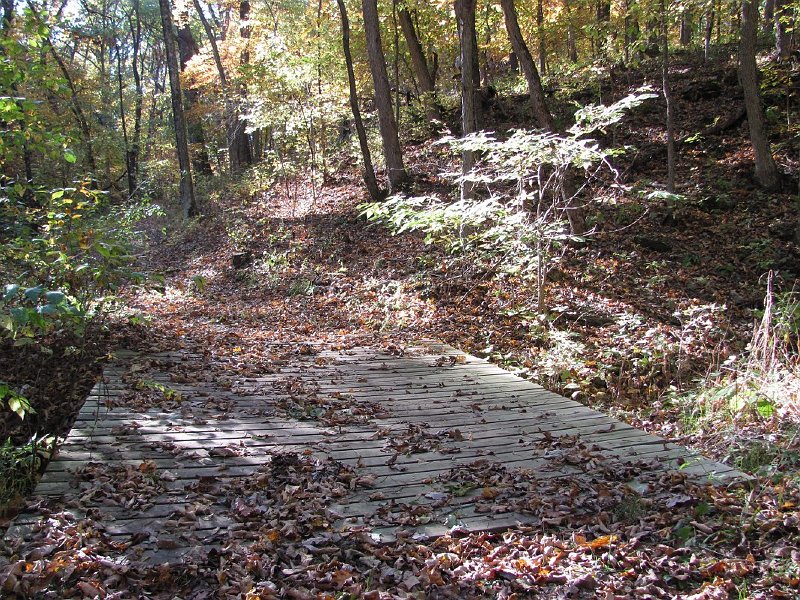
(540, 112)
(239, 153)
(369, 171)
(784, 26)
(465, 14)
(187, 197)
(669, 101)
(383, 98)
(419, 63)
(187, 49)
(766, 170)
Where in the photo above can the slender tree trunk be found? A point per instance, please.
(603, 16)
(154, 112)
(709, 28)
(540, 112)
(766, 170)
(420, 65)
(572, 46)
(132, 155)
(784, 25)
(540, 34)
(239, 151)
(669, 101)
(187, 48)
(188, 202)
(236, 138)
(628, 37)
(124, 121)
(686, 28)
(212, 41)
(768, 23)
(396, 62)
(383, 98)
(465, 14)
(8, 15)
(369, 172)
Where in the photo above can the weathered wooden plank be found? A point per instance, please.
(365, 456)
(489, 421)
(405, 468)
(433, 394)
(468, 435)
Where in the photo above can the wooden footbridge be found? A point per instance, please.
(429, 437)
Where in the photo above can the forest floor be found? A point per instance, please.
(664, 294)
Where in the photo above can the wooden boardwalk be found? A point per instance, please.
(429, 436)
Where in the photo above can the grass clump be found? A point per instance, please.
(756, 397)
(20, 466)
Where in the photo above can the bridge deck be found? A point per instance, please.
(423, 440)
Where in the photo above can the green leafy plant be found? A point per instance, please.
(13, 401)
(29, 313)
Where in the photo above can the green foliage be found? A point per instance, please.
(73, 242)
(31, 313)
(15, 402)
(26, 124)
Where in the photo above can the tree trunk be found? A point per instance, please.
(784, 26)
(540, 34)
(631, 30)
(369, 171)
(132, 155)
(668, 99)
(766, 170)
(8, 15)
(236, 138)
(187, 48)
(540, 112)
(124, 122)
(768, 23)
(572, 46)
(603, 16)
(709, 28)
(422, 73)
(686, 28)
(465, 14)
(188, 202)
(212, 41)
(396, 62)
(239, 152)
(383, 98)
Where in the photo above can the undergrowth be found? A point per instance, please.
(755, 396)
